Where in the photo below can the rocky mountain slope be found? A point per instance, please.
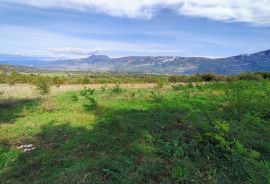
(160, 64)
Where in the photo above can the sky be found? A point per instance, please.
(80, 28)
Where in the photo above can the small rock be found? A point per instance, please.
(26, 147)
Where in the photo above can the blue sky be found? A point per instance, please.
(79, 28)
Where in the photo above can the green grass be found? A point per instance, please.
(210, 133)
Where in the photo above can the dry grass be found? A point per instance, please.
(26, 91)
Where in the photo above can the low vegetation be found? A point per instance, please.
(215, 132)
(57, 79)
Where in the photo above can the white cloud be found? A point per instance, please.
(74, 51)
(31, 41)
(251, 11)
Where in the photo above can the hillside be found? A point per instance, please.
(156, 65)
(10, 68)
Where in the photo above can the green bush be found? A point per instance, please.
(250, 76)
(117, 89)
(88, 93)
(103, 88)
(179, 174)
(57, 81)
(156, 96)
(177, 87)
(43, 86)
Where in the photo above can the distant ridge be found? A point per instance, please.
(256, 62)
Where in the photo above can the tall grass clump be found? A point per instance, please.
(88, 94)
(117, 89)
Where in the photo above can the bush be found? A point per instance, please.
(212, 77)
(88, 93)
(74, 97)
(177, 87)
(179, 173)
(117, 89)
(156, 96)
(159, 84)
(85, 80)
(1, 93)
(49, 106)
(103, 88)
(43, 86)
(57, 81)
(250, 76)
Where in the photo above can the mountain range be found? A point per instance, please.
(150, 64)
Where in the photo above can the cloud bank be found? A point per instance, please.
(74, 51)
(250, 11)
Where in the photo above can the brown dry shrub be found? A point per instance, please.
(48, 106)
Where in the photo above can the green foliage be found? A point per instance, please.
(159, 84)
(179, 173)
(103, 88)
(74, 97)
(177, 87)
(88, 93)
(43, 86)
(85, 80)
(251, 76)
(117, 89)
(57, 81)
(214, 132)
(190, 85)
(156, 96)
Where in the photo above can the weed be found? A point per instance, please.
(2, 93)
(48, 106)
(179, 173)
(156, 96)
(215, 133)
(177, 87)
(74, 97)
(117, 89)
(88, 93)
(159, 85)
(103, 88)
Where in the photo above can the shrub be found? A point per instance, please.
(250, 76)
(74, 97)
(48, 106)
(103, 88)
(117, 89)
(91, 104)
(156, 96)
(177, 87)
(43, 86)
(85, 80)
(190, 85)
(179, 173)
(159, 84)
(212, 77)
(57, 81)
(1, 93)
(265, 75)
(88, 93)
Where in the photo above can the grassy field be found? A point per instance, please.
(208, 133)
(23, 91)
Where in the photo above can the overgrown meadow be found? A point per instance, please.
(215, 132)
